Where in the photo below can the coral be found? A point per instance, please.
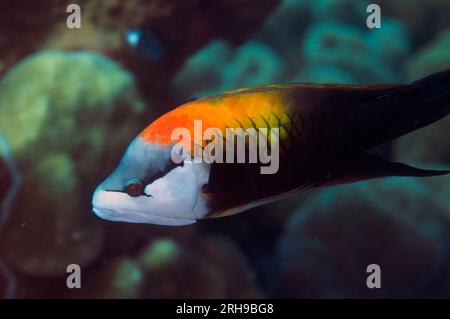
(189, 26)
(133, 236)
(182, 27)
(391, 43)
(253, 64)
(416, 18)
(210, 267)
(223, 254)
(285, 26)
(62, 115)
(160, 253)
(5, 179)
(326, 47)
(440, 187)
(324, 74)
(421, 18)
(433, 57)
(202, 73)
(429, 145)
(349, 11)
(10, 180)
(217, 68)
(330, 240)
(330, 44)
(206, 267)
(116, 278)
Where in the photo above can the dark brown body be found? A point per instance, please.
(330, 129)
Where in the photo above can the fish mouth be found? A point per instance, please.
(132, 216)
(165, 202)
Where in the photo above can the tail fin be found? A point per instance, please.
(387, 112)
(434, 97)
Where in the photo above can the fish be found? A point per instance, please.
(325, 134)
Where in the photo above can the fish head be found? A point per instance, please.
(149, 187)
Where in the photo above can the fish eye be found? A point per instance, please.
(134, 187)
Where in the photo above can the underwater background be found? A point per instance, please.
(72, 99)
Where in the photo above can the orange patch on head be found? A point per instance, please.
(229, 110)
(184, 116)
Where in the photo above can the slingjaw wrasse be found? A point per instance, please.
(323, 135)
